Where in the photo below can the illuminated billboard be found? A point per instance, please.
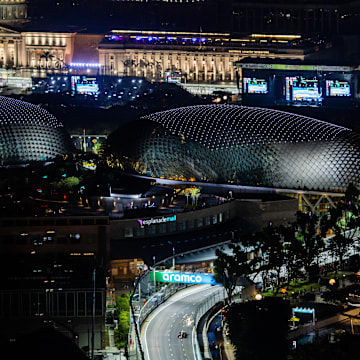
(84, 85)
(183, 278)
(300, 89)
(337, 88)
(173, 77)
(255, 86)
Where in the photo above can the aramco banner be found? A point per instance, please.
(183, 278)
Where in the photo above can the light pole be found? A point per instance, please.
(173, 261)
(154, 274)
(93, 316)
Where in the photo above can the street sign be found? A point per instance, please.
(183, 278)
(304, 310)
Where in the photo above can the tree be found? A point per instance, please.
(47, 56)
(195, 193)
(271, 241)
(312, 242)
(192, 192)
(66, 183)
(259, 329)
(96, 148)
(293, 254)
(229, 268)
(122, 305)
(129, 64)
(344, 222)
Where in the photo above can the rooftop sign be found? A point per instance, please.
(183, 278)
(164, 219)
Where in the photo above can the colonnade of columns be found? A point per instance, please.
(195, 66)
(10, 50)
(10, 11)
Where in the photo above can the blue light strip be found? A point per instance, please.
(304, 310)
(92, 65)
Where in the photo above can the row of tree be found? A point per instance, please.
(282, 254)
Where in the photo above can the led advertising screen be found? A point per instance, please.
(300, 89)
(173, 77)
(84, 85)
(255, 86)
(337, 88)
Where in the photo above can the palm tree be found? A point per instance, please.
(60, 63)
(128, 63)
(194, 192)
(47, 56)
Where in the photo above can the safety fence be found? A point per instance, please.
(209, 302)
(142, 311)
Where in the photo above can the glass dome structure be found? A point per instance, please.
(29, 133)
(239, 145)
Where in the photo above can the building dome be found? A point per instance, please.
(240, 145)
(29, 133)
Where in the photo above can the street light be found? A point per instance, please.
(154, 274)
(173, 262)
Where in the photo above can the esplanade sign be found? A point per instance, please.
(162, 220)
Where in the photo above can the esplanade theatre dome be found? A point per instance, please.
(29, 133)
(239, 145)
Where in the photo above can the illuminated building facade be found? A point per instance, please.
(13, 10)
(29, 133)
(197, 57)
(240, 145)
(187, 57)
(35, 50)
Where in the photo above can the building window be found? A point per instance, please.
(191, 224)
(162, 228)
(182, 226)
(207, 220)
(62, 240)
(74, 238)
(214, 219)
(220, 217)
(128, 232)
(172, 227)
(151, 230)
(199, 222)
(140, 231)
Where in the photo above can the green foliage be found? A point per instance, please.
(66, 183)
(194, 193)
(122, 305)
(230, 268)
(296, 246)
(96, 148)
(312, 242)
(259, 329)
(344, 222)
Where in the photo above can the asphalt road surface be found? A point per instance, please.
(160, 331)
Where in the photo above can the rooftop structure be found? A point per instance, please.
(240, 145)
(29, 133)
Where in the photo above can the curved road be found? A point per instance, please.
(160, 330)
